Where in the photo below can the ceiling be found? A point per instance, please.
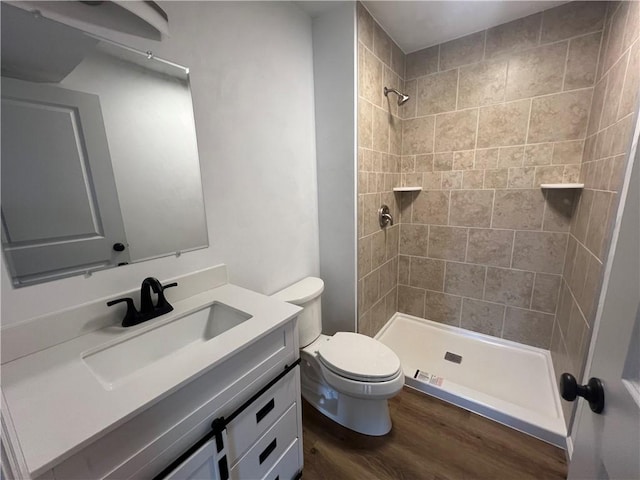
(415, 25)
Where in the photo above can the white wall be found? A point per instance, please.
(334, 55)
(251, 73)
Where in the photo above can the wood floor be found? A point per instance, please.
(430, 439)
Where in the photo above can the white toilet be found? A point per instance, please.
(348, 377)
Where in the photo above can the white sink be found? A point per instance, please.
(114, 364)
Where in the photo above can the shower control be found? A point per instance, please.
(593, 392)
(384, 217)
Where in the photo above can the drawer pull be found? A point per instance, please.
(265, 410)
(267, 451)
(223, 468)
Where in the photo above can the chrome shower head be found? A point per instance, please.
(402, 98)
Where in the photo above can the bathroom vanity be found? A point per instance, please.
(209, 390)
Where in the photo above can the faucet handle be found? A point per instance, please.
(162, 304)
(132, 316)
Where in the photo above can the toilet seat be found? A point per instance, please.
(359, 358)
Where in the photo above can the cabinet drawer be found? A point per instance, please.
(288, 464)
(261, 414)
(269, 448)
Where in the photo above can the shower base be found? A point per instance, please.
(508, 382)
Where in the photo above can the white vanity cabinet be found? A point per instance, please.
(177, 397)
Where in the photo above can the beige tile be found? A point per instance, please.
(424, 163)
(549, 174)
(364, 256)
(564, 308)
(490, 246)
(471, 208)
(404, 266)
(451, 180)
(431, 207)
(582, 61)
(370, 205)
(568, 152)
(514, 36)
(363, 182)
(539, 251)
(381, 44)
(537, 71)
(437, 92)
(631, 89)
(545, 292)
(462, 51)
(364, 324)
(589, 299)
(432, 180)
(575, 335)
(464, 279)
(378, 316)
(571, 174)
(456, 130)
(371, 289)
(395, 135)
(572, 19)
(473, 179)
(486, 158)
(496, 178)
(411, 179)
(391, 302)
(392, 241)
(504, 124)
(411, 300)
(417, 136)
(442, 161)
(559, 210)
(388, 276)
(518, 209)
(617, 173)
(511, 157)
(633, 24)
(420, 63)
(378, 248)
(408, 109)
(365, 26)
(511, 287)
(365, 124)
(615, 42)
(443, 308)
(579, 272)
(448, 243)
(391, 180)
(463, 160)
(380, 130)
(582, 215)
(408, 163)
(615, 85)
(371, 79)
(427, 273)
(482, 84)
(414, 239)
(538, 154)
(558, 117)
(397, 59)
(482, 317)
(528, 327)
(521, 177)
(569, 259)
(599, 222)
(391, 80)
(597, 105)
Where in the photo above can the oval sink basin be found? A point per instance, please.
(114, 364)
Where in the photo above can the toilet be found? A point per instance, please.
(347, 376)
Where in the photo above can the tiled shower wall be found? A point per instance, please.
(380, 63)
(496, 114)
(604, 160)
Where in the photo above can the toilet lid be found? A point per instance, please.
(359, 357)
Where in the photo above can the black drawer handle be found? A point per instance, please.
(267, 451)
(265, 410)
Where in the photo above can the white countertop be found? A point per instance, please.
(57, 406)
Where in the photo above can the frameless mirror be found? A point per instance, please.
(99, 156)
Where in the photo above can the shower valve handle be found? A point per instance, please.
(593, 392)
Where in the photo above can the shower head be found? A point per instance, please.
(402, 98)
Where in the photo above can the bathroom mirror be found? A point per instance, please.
(99, 156)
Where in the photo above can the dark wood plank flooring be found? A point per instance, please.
(430, 439)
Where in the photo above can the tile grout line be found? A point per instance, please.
(566, 65)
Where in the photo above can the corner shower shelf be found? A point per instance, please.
(407, 189)
(561, 185)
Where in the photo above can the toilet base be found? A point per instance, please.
(369, 417)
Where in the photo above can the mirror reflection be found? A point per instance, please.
(99, 155)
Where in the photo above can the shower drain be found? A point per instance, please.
(453, 357)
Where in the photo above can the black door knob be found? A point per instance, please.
(118, 247)
(593, 392)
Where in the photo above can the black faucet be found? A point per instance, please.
(147, 309)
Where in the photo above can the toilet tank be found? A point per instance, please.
(306, 294)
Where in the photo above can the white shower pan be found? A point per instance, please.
(508, 382)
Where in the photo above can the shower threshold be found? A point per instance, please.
(505, 381)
